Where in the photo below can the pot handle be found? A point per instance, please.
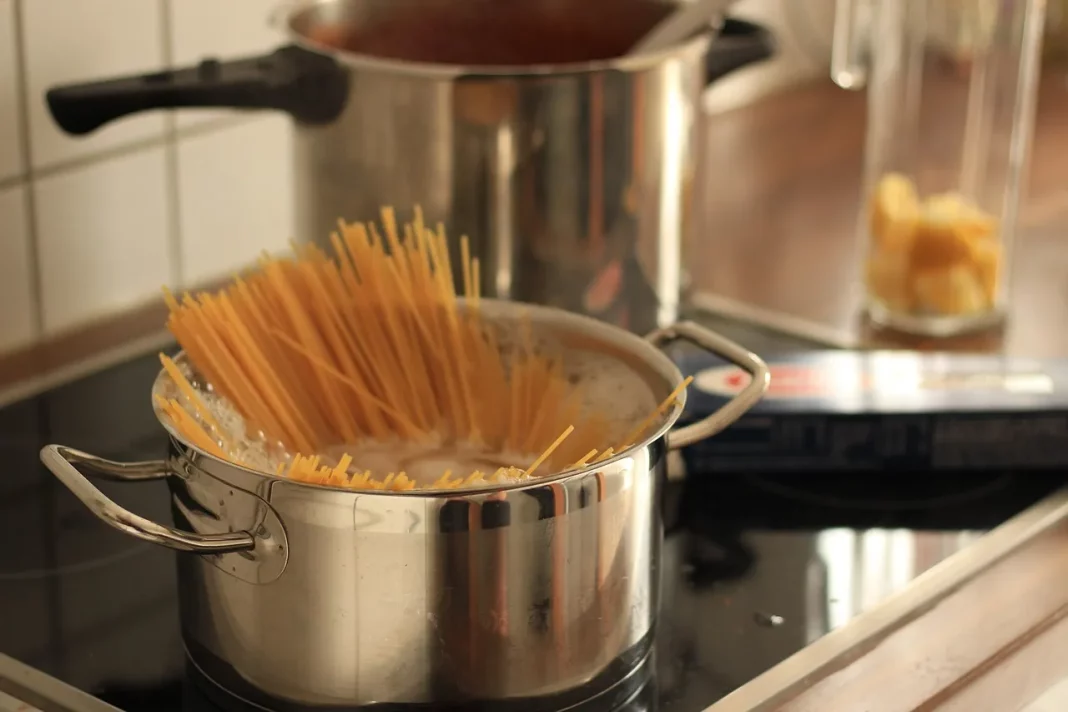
(725, 349)
(310, 86)
(738, 44)
(64, 463)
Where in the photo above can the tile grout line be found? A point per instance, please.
(171, 159)
(194, 130)
(29, 190)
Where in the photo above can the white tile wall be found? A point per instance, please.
(10, 104)
(18, 324)
(1055, 699)
(94, 225)
(78, 41)
(102, 237)
(211, 28)
(236, 198)
(223, 29)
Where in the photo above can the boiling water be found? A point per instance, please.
(610, 389)
(425, 462)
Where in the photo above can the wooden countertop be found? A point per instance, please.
(781, 189)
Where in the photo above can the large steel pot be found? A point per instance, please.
(581, 173)
(541, 594)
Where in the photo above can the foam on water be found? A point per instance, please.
(610, 388)
(425, 462)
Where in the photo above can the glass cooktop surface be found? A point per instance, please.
(755, 568)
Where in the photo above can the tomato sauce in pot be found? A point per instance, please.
(499, 32)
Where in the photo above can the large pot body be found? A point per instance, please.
(574, 190)
(573, 187)
(573, 183)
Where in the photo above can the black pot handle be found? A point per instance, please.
(738, 44)
(309, 86)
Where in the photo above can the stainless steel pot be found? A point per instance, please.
(296, 595)
(581, 174)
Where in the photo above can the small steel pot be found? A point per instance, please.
(544, 594)
(581, 173)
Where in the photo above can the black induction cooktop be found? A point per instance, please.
(755, 567)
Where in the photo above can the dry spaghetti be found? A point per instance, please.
(323, 354)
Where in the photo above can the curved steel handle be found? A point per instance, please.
(726, 349)
(64, 462)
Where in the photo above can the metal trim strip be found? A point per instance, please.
(56, 695)
(833, 651)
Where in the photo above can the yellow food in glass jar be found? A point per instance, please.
(937, 257)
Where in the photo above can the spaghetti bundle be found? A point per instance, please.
(328, 358)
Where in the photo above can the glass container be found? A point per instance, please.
(951, 89)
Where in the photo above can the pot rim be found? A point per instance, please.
(282, 16)
(600, 331)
